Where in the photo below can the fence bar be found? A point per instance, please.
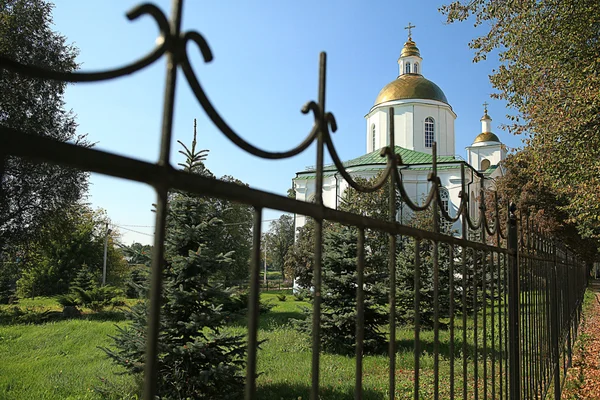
(514, 307)
(436, 279)
(417, 304)
(465, 231)
(483, 220)
(476, 264)
(500, 284)
(173, 57)
(451, 323)
(392, 267)
(316, 322)
(485, 322)
(253, 303)
(360, 314)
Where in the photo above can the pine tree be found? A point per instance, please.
(196, 358)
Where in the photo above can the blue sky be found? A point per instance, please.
(264, 69)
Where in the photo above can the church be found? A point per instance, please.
(422, 116)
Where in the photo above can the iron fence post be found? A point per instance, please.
(554, 317)
(514, 304)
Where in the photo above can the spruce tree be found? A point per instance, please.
(196, 358)
(405, 274)
(338, 313)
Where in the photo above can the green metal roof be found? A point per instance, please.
(374, 162)
(408, 157)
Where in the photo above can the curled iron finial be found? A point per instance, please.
(164, 42)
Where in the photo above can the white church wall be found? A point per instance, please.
(443, 125)
(491, 151)
(377, 118)
(409, 122)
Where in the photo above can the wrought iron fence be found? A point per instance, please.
(515, 295)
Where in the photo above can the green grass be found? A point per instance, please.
(58, 360)
(61, 359)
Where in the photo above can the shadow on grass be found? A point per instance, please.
(408, 345)
(271, 321)
(18, 315)
(294, 391)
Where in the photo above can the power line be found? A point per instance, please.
(126, 226)
(131, 230)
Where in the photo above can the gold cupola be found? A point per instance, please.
(410, 49)
(486, 134)
(410, 59)
(410, 83)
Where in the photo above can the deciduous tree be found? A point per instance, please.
(29, 192)
(549, 74)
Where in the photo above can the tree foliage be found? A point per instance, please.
(30, 191)
(550, 75)
(299, 259)
(279, 241)
(70, 240)
(538, 201)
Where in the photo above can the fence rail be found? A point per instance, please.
(514, 296)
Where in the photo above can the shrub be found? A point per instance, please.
(281, 297)
(301, 295)
(68, 300)
(97, 298)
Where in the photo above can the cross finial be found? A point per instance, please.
(485, 104)
(409, 27)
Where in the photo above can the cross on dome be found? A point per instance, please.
(485, 104)
(409, 27)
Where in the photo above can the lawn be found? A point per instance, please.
(59, 359)
(62, 360)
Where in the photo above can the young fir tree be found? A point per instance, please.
(339, 283)
(196, 358)
(405, 274)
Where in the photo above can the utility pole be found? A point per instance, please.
(108, 231)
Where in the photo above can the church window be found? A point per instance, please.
(429, 132)
(416, 68)
(407, 68)
(485, 164)
(373, 137)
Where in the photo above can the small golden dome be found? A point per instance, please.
(411, 86)
(410, 49)
(486, 137)
(486, 116)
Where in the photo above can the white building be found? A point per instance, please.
(422, 115)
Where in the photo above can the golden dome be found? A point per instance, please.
(485, 116)
(411, 86)
(410, 49)
(486, 137)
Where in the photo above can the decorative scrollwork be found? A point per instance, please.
(164, 41)
(324, 122)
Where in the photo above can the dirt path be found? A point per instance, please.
(583, 379)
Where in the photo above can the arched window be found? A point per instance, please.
(373, 137)
(429, 132)
(407, 68)
(416, 68)
(485, 164)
